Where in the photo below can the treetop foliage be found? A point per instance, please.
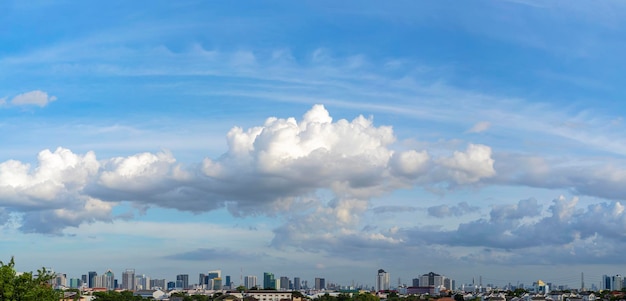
(26, 286)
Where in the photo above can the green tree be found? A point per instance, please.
(116, 296)
(519, 292)
(343, 297)
(199, 298)
(365, 297)
(326, 297)
(25, 287)
(297, 294)
(241, 288)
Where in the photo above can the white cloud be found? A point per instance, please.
(524, 226)
(280, 168)
(267, 169)
(480, 127)
(36, 97)
(50, 196)
(409, 163)
(470, 166)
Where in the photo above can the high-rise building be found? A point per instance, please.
(171, 285)
(60, 280)
(91, 279)
(382, 281)
(214, 274)
(606, 283)
(431, 279)
(284, 283)
(142, 282)
(268, 281)
(106, 280)
(182, 281)
(416, 282)
(250, 281)
(227, 282)
(84, 280)
(296, 283)
(208, 283)
(320, 283)
(618, 283)
(448, 283)
(74, 283)
(215, 283)
(158, 283)
(128, 280)
(202, 280)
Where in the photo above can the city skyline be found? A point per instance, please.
(381, 283)
(481, 139)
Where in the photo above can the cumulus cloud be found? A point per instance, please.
(524, 208)
(317, 175)
(470, 166)
(273, 169)
(409, 163)
(524, 225)
(50, 196)
(36, 97)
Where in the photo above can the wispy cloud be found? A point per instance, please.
(33, 98)
(479, 127)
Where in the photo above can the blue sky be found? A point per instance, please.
(315, 139)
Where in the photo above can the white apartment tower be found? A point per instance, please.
(382, 280)
(128, 280)
(249, 282)
(618, 283)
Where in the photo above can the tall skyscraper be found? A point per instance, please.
(128, 280)
(296, 283)
(215, 283)
(606, 282)
(171, 285)
(382, 280)
(268, 281)
(212, 275)
(74, 283)
(227, 281)
(448, 283)
(320, 283)
(416, 282)
(106, 280)
(91, 279)
(618, 283)
(182, 281)
(142, 282)
(158, 283)
(431, 279)
(250, 282)
(202, 280)
(284, 283)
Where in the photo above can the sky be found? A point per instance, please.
(315, 139)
